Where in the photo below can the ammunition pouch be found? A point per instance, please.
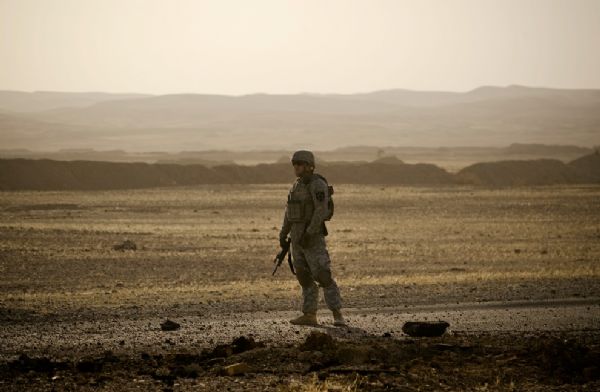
(300, 207)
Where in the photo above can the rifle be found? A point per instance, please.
(281, 255)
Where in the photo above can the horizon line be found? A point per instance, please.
(285, 149)
(303, 92)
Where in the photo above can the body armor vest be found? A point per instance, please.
(300, 206)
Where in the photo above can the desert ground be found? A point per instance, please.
(515, 272)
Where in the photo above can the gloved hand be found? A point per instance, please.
(283, 241)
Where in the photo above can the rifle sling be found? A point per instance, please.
(290, 263)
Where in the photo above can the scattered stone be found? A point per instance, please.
(318, 341)
(237, 346)
(235, 369)
(125, 245)
(425, 328)
(169, 325)
(242, 343)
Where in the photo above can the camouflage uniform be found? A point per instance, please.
(304, 216)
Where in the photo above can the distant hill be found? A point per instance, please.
(544, 150)
(390, 160)
(20, 101)
(487, 116)
(588, 166)
(44, 174)
(511, 173)
(533, 172)
(441, 98)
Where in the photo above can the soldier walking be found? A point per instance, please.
(307, 209)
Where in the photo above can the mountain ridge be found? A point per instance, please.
(484, 116)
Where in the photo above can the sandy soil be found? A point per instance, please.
(514, 271)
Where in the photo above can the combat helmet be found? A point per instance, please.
(304, 156)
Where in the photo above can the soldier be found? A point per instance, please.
(305, 212)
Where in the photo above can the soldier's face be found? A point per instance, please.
(300, 168)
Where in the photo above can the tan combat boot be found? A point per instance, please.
(338, 319)
(306, 319)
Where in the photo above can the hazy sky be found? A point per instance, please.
(239, 47)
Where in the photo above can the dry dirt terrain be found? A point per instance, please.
(516, 273)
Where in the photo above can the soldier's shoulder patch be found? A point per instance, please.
(320, 195)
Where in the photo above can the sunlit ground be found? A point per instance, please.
(213, 246)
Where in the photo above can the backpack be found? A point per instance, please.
(330, 204)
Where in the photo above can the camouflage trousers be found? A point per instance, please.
(312, 266)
